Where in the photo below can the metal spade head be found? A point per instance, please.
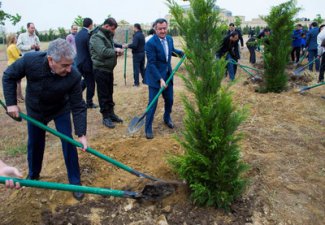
(158, 190)
(135, 124)
(298, 71)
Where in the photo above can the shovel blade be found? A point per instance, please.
(298, 71)
(135, 124)
(158, 190)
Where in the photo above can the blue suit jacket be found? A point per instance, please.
(157, 66)
(83, 59)
(311, 41)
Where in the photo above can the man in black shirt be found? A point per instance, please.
(53, 93)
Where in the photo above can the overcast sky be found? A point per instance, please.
(48, 14)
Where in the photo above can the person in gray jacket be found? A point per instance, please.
(104, 58)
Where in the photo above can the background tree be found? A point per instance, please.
(319, 19)
(276, 54)
(238, 21)
(62, 32)
(78, 21)
(211, 162)
(22, 29)
(14, 19)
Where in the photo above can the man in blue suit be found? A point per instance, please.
(84, 63)
(159, 50)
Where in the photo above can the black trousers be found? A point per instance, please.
(105, 84)
(252, 55)
(295, 51)
(138, 66)
(322, 69)
(89, 83)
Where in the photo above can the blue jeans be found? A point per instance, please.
(312, 54)
(36, 146)
(231, 68)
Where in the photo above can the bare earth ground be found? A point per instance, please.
(284, 145)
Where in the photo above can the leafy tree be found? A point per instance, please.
(51, 34)
(319, 19)
(14, 19)
(238, 21)
(124, 23)
(211, 162)
(62, 32)
(276, 55)
(78, 21)
(22, 29)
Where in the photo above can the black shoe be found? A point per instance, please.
(78, 195)
(136, 85)
(108, 123)
(32, 178)
(149, 135)
(169, 123)
(115, 118)
(92, 106)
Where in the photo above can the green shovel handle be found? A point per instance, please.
(241, 66)
(312, 86)
(125, 54)
(167, 82)
(80, 145)
(71, 187)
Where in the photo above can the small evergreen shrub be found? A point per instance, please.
(276, 55)
(211, 164)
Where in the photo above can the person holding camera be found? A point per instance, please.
(28, 41)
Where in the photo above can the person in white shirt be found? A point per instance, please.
(28, 41)
(321, 51)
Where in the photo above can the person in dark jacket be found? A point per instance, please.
(311, 43)
(252, 45)
(137, 47)
(296, 43)
(53, 92)
(104, 57)
(229, 49)
(231, 29)
(84, 63)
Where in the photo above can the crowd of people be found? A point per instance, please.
(310, 43)
(56, 79)
(55, 85)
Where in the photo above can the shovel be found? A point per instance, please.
(306, 88)
(298, 71)
(125, 54)
(245, 68)
(79, 145)
(302, 58)
(150, 192)
(137, 122)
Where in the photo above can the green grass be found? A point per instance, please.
(16, 150)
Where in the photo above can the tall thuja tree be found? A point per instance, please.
(277, 50)
(211, 163)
